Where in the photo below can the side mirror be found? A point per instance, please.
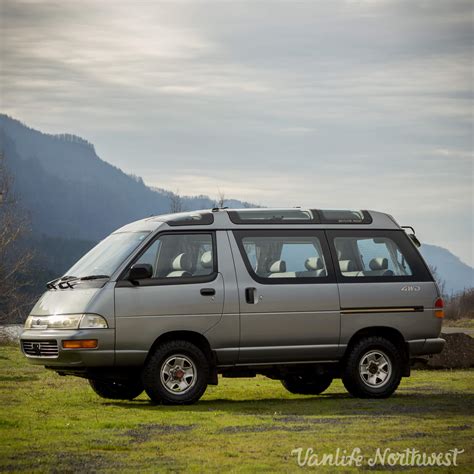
(140, 271)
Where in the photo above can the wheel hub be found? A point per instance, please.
(375, 368)
(178, 374)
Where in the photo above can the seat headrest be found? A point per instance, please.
(277, 267)
(314, 263)
(347, 266)
(182, 262)
(206, 259)
(378, 263)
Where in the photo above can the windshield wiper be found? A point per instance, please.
(61, 282)
(65, 281)
(94, 277)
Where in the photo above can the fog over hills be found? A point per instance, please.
(75, 198)
(70, 192)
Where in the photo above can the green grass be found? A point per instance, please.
(459, 323)
(57, 424)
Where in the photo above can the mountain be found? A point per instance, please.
(455, 274)
(70, 192)
(74, 198)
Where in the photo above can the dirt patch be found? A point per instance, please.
(264, 428)
(63, 462)
(458, 353)
(309, 420)
(90, 462)
(145, 432)
(415, 435)
(460, 428)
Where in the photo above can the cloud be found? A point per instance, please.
(332, 103)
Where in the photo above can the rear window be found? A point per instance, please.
(377, 256)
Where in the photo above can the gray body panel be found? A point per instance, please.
(412, 325)
(144, 313)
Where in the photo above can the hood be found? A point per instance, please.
(78, 300)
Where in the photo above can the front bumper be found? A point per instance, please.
(420, 347)
(54, 356)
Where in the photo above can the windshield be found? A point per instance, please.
(107, 255)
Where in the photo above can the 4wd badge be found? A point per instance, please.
(410, 288)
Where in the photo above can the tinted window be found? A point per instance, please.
(344, 217)
(296, 256)
(268, 216)
(377, 255)
(180, 256)
(192, 219)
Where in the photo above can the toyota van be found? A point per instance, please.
(166, 304)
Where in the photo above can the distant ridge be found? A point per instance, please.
(70, 192)
(456, 274)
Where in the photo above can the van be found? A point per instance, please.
(166, 304)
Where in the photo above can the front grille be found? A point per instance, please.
(40, 348)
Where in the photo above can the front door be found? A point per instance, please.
(289, 303)
(184, 293)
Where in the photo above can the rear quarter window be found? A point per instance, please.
(376, 256)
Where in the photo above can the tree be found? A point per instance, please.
(15, 258)
(439, 281)
(220, 198)
(176, 202)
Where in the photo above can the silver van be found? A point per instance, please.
(167, 303)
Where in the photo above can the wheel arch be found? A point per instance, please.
(390, 333)
(193, 337)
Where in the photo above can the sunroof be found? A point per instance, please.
(334, 216)
(298, 216)
(271, 216)
(205, 218)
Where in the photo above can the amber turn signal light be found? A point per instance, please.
(80, 344)
(439, 308)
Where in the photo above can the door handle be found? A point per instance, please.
(208, 291)
(250, 295)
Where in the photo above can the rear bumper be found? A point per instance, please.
(420, 347)
(55, 356)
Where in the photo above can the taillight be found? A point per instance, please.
(439, 308)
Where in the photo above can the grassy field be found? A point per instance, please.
(57, 424)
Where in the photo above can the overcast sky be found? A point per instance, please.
(337, 104)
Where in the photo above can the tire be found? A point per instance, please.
(117, 390)
(176, 373)
(373, 368)
(307, 385)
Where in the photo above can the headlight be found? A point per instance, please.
(66, 321)
(92, 321)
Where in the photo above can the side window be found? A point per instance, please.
(364, 256)
(294, 256)
(180, 256)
